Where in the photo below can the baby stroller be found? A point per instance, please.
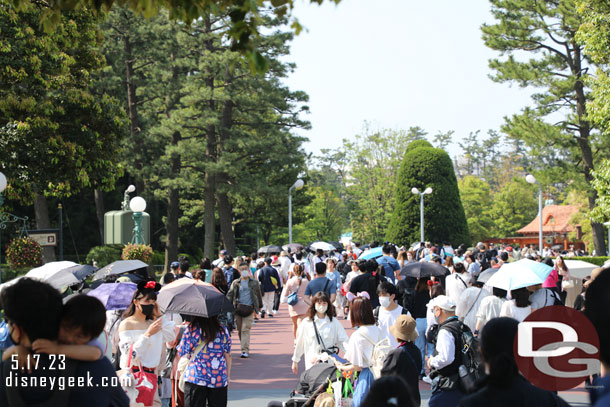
(312, 382)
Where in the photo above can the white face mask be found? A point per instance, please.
(384, 301)
(245, 273)
(321, 308)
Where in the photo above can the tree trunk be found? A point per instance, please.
(173, 208)
(99, 210)
(209, 190)
(597, 229)
(209, 221)
(41, 211)
(225, 209)
(132, 112)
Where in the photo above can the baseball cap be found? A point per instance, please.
(223, 252)
(175, 265)
(443, 302)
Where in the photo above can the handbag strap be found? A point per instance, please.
(198, 349)
(318, 336)
(475, 301)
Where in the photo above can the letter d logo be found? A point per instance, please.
(526, 338)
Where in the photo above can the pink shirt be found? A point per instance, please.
(551, 280)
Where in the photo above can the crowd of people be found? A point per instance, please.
(406, 329)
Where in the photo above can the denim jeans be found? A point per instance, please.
(425, 347)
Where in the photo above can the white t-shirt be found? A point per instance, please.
(509, 309)
(455, 284)
(360, 349)
(386, 319)
(490, 308)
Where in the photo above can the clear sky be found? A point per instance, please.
(397, 64)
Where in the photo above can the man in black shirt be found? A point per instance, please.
(32, 309)
(367, 282)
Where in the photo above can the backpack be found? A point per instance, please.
(376, 313)
(471, 371)
(556, 298)
(381, 350)
(408, 300)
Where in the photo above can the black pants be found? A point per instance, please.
(201, 396)
(276, 300)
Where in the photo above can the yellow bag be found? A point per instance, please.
(274, 281)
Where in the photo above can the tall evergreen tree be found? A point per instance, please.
(444, 217)
(558, 69)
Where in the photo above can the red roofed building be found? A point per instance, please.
(555, 228)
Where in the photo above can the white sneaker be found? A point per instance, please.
(276, 312)
(427, 379)
(244, 355)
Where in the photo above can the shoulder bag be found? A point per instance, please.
(242, 310)
(293, 298)
(184, 362)
(323, 348)
(140, 385)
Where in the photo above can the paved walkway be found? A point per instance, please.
(266, 375)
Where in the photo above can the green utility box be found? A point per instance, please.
(118, 227)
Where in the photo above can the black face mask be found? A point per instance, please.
(147, 309)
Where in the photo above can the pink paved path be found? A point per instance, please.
(269, 364)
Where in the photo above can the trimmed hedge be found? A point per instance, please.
(595, 260)
(444, 218)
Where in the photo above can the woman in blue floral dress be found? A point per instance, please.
(207, 376)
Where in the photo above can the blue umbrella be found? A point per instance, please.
(114, 295)
(371, 254)
(540, 269)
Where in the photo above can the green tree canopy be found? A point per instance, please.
(477, 201)
(514, 206)
(444, 217)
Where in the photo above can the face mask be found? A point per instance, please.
(147, 309)
(321, 308)
(245, 273)
(384, 301)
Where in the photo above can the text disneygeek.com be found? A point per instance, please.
(60, 382)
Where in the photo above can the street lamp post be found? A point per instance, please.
(532, 180)
(6, 218)
(125, 203)
(137, 205)
(297, 185)
(607, 224)
(421, 208)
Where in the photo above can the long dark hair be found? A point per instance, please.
(210, 327)
(497, 338)
(145, 291)
(320, 296)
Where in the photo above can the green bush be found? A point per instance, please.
(595, 260)
(104, 255)
(157, 258)
(444, 218)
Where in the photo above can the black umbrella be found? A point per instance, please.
(337, 245)
(271, 249)
(193, 299)
(423, 269)
(119, 267)
(81, 271)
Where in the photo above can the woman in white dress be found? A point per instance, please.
(318, 331)
(360, 346)
(519, 307)
(143, 331)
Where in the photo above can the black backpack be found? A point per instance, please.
(471, 371)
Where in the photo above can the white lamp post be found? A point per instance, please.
(427, 191)
(607, 224)
(137, 205)
(297, 185)
(532, 180)
(125, 204)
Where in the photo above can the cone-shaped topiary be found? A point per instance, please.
(418, 144)
(444, 219)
